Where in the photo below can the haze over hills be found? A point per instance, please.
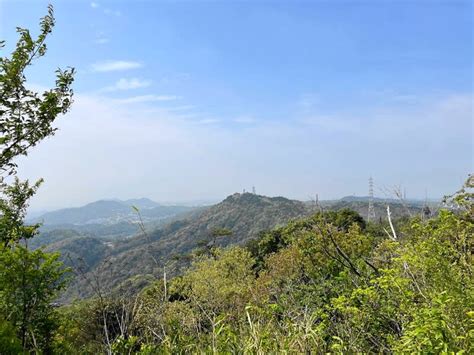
(106, 219)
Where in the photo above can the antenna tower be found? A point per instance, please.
(253, 190)
(371, 212)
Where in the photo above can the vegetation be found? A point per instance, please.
(330, 282)
(235, 220)
(327, 283)
(29, 280)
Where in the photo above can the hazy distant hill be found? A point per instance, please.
(109, 212)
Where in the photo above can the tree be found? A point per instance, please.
(25, 117)
(29, 281)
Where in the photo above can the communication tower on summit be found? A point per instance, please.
(253, 190)
(371, 212)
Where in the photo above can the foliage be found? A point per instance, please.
(29, 281)
(13, 209)
(25, 117)
(327, 283)
(9, 343)
(175, 244)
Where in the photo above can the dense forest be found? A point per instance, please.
(321, 281)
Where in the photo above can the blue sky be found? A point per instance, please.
(197, 100)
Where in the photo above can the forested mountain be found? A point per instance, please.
(244, 215)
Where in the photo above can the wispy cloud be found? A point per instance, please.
(181, 108)
(112, 12)
(308, 101)
(333, 123)
(148, 98)
(208, 121)
(128, 84)
(385, 96)
(115, 65)
(94, 5)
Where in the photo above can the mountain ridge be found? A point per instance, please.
(245, 215)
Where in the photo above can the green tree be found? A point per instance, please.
(26, 117)
(29, 281)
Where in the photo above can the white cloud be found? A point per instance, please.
(115, 65)
(94, 5)
(128, 84)
(148, 98)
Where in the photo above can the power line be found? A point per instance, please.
(371, 211)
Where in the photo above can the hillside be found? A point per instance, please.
(244, 214)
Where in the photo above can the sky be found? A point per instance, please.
(191, 100)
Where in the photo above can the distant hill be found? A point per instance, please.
(244, 214)
(109, 212)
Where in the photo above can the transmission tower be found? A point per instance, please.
(371, 212)
(253, 190)
(426, 211)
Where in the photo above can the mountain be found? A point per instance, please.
(245, 215)
(109, 212)
(103, 220)
(89, 213)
